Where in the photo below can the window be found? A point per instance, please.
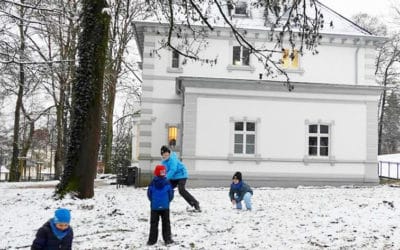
(318, 140)
(290, 59)
(172, 136)
(241, 56)
(175, 59)
(244, 137)
(241, 8)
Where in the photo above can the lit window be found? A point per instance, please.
(241, 56)
(290, 59)
(175, 59)
(318, 140)
(172, 136)
(244, 138)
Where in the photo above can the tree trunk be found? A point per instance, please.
(14, 174)
(59, 156)
(25, 148)
(109, 113)
(81, 160)
(380, 122)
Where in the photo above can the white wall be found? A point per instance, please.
(164, 114)
(282, 130)
(334, 64)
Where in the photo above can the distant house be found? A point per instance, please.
(223, 118)
(4, 173)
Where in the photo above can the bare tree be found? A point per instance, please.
(370, 23)
(40, 57)
(386, 66)
(58, 34)
(388, 73)
(123, 13)
(189, 23)
(81, 160)
(391, 125)
(15, 59)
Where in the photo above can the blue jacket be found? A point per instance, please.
(175, 168)
(160, 193)
(239, 190)
(47, 240)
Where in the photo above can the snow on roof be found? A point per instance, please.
(334, 23)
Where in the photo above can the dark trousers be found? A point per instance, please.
(166, 226)
(182, 191)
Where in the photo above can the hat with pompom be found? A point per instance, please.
(160, 171)
(62, 215)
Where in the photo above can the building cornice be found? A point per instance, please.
(268, 85)
(262, 35)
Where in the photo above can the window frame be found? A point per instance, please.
(175, 61)
(319, 135)
(247, 10)
(233, 132)
(241, 56)
(244, 133)
(287, 61)
(171, 67)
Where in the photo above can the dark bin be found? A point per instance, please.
(131, 176)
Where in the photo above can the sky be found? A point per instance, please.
(348, 8)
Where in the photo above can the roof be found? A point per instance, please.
(334, 23)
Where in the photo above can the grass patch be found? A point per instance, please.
(388, 181)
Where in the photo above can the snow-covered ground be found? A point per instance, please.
(289, 218)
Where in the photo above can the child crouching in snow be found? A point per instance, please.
(55, 233)
(160, 194)
(240, 191)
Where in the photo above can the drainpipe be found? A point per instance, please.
(180, 91)
(356, 66)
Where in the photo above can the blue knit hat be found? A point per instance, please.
(62, 215)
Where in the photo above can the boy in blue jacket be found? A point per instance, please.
(55, 233)
(160, 194)
(177, 175)
(240, 191)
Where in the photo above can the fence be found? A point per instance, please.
(389, 169)
(41, 177)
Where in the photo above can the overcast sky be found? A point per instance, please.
(380, 8)
(350, 7)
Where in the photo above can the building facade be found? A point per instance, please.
(221, 118)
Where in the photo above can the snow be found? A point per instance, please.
(3, 169)
(340, 24)
(389, 157)
(282, 218)
(389, 166)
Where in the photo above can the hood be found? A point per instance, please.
(160, 182)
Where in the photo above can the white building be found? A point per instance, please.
(224, 119)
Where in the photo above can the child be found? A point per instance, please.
(160, 194)
(177, 175)
(55, 233)
(240, 191)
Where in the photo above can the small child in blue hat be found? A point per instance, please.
(55, 233)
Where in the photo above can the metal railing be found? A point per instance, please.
(389, 169)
